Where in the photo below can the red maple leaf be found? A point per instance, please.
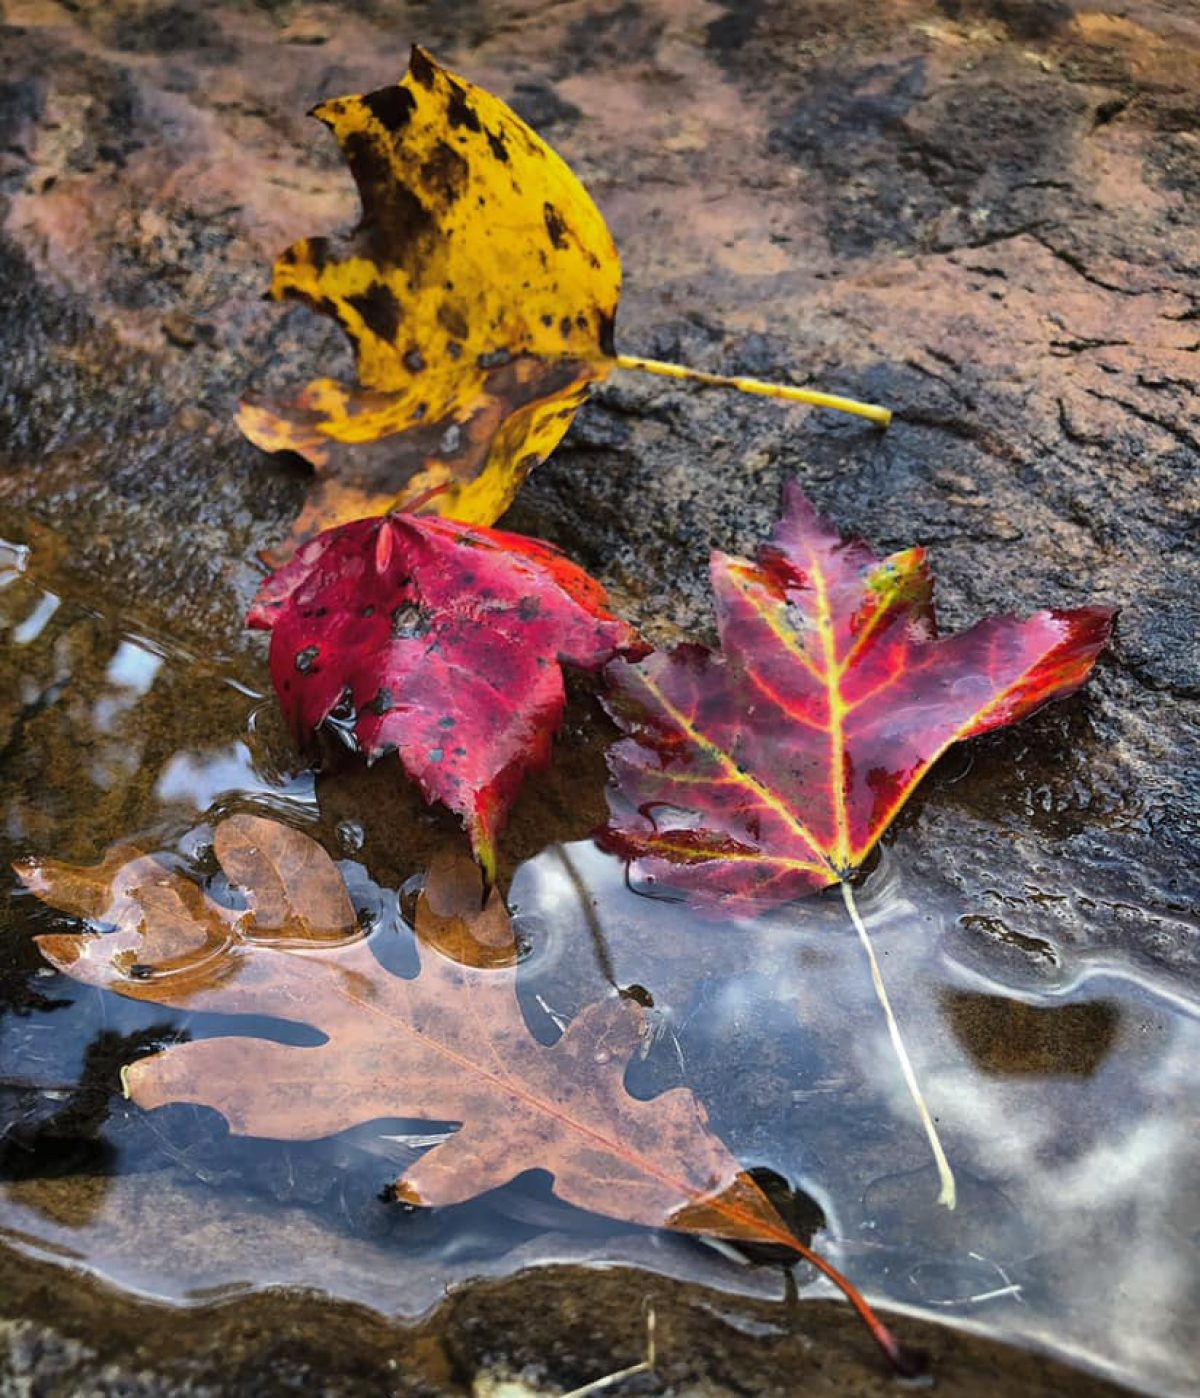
(772, 769)
(441, 640)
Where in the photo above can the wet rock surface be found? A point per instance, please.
(980, 212)
(480, 1342)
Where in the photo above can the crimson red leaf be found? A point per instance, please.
(441, 640)
(772, 769)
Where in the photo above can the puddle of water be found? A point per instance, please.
(1064, 1099)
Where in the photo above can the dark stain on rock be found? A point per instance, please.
(379, 309)
(1024, 19)
(542, 107)
(605, 36)
(414, 360)
(494, 359)
(958, 165)
(726, 35)
(495, 141)
(171, 28)
(391, 106)
(860, 125)
(555, 225)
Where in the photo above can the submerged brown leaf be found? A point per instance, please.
(449, 1045)
(452, 918)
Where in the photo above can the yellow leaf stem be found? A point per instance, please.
(788, 393)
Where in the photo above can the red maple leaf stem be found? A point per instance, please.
(949, 1193)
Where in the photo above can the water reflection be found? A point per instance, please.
(1067, 1114)
(1063, 1079)
(1067, 1122)
(105, 732)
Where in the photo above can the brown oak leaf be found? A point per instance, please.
(450, 1044)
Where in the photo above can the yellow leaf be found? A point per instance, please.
(479, 291)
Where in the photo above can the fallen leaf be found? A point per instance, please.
(772, 769)
(163, 924)
(451, 919)
(479, 291)
(450, 1044)
(439, 640)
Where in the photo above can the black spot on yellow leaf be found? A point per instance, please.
(391, 106)
(369, 165)
(605, 326)
(379, 309)
(458, 109)
(445, 172)
(555, 225)
(402, 220)
(452, 320)
(420, 65)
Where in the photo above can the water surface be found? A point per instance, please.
(1063, 1079)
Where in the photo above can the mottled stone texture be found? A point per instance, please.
(540, 1333)
(985, 213)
